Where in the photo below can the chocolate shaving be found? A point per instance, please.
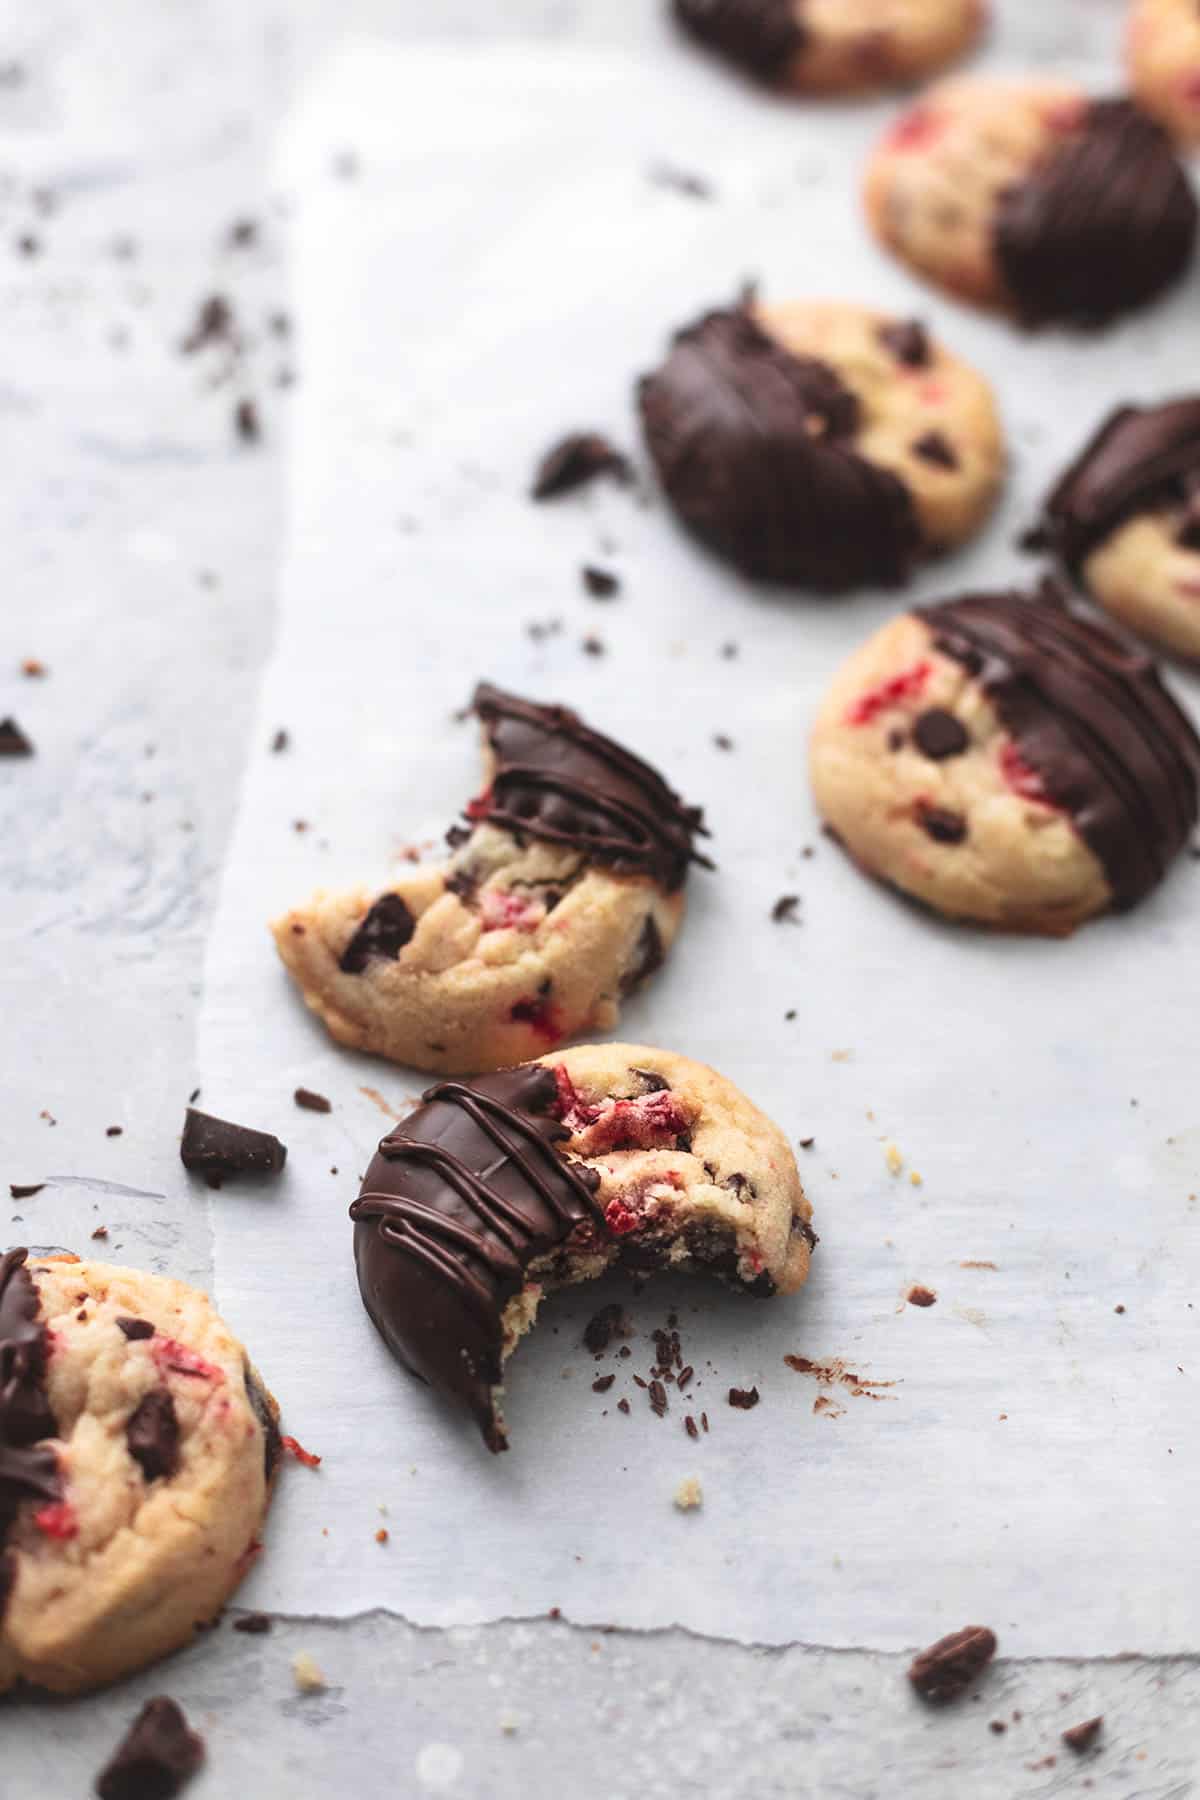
(156, 1757)
(215, 1147)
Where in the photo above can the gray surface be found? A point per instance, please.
(123, 484)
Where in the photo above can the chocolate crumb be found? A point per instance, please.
(785, 910)
(722, 741)
(13, 741)
(213, 325)
(1118, 1309)
(157, 1755)
(921, 1296)
(948, 1668)
(246, 421)
(574, 460)
(593, 646)
(789, 1015)
(807, 1143)
(745, 1398)
(729, 651)
(215, 1147)
(114, 1131)
(280, 741)
(689, 1425)
(602, 1383)
(255, 1624)
(101, 1231)
(1081, 1737)
(135, 1329)
(311, 1102)
(623, 1406)
(998, 1726)
(602, 1327)
(601, 584)
(25, 1190)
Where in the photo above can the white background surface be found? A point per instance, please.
(1065, 1526)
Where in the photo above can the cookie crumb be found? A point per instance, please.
(893, 1159)
(307, 1675)
(689, 1494)
(915, 1179)
(1081, 1737)
(509, 1723)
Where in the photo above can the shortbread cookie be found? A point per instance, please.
(1162, 50)
(835, 46)
(565, 894)
(820, 443)
(1125, 521)
(1006, 761)
(1030, 197)
(138, 1448)
(495, 1192)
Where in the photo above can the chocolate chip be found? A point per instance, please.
(743, 1397)
(25, 1190)
(574, 460)
(602, 1327)
(215, 1147)
(652, 1082)
(384, 932)
(154, 1759)
(807, 1143)
(152, 1435)
(947, 1668)
(908, 341)
(1081, 1737)
(602, 1383)
(13, 741)
(255, 1624)
(942, 825)
(601, 584)
(785, 910)
(623, 1406)
(647, 956)
(312, 1102)
(938, 734)
(135, 1329)
(934, 447)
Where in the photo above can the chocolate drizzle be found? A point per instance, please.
(754, 448)
(1141, 457)
(554, 778)
(1101, 226)
(459, 1200)
(1090, 716)
(761, 36)
(28, 1471)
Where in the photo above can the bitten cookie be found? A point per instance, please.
(1030, 197)
(1006, 761)
(1162, 51)
(495, 1192)
(1125, 521)
(138, 1449)
(821, 444)
(835, 46)
(563, 896)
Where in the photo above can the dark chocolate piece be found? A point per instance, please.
(461, 1197)
(157, 1755)
(384, 932)
(938, 734)
(152, 1434)
(27, 1470)
(948, 1668)
(942, 825)
(601, 584)
(1142, 457)
(135, 1329)
(1101, 226)
(304, 1097)
(908, 341)
(755, 450)
(216, 1147)
(1090, 716)
(935, 447)
(760, 36)
(648, 956)
(24, 1190)
(555, 778)
(745, 1398)
(575, 460)
(13, 741)
(1081, 1737)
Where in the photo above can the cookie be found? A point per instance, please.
(493, 1193)
(821, 444)
(835, 46)
(1162, 53)
(1007, 762)
(1029, 197)
(1125, 521)
(562, 897)
(138, 1449)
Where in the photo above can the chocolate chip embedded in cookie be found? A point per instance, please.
(835, 46)
(1162, 52)
(1006, 761)
(565, 892)
(138, 1450)
(497, 1191)
(820, 443)
(1125, 521)
(1030, 197)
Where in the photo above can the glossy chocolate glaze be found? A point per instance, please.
(1141, 457)
(28, 1469)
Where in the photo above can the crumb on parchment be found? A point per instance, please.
(689, 1494)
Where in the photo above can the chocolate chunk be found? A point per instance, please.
(25, 1190)
(575, 460)
(648, 956)
(156, 1757)
(745, 1398)
(938, 734)
(908, 341)
(383, 932)
(280, 742)
(254, 1624)
(601, 584)
(216, 1147)
(152, 1434)
(760, 36)
(652, 1082)
(311, 1102)
(935, 447)
(942, 825)
(13, 741)
(1140, 458)
(602, 1327)
(27, 1470)
(135, 1329)
(948, 1668)
(1081, 1737)
(786, 910)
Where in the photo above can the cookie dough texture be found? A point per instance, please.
(495, 1192)
(138, 1550)
(1005, 762)
(835, 46)
(1163, 58)
(1030, 197)
(821, 444)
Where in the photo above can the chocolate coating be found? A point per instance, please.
(754, 448)
(461, 1197)
(555, 778)
(1100, 227)
(761, 36)
(1089, 714)
(1140, 458)
(27, 1472)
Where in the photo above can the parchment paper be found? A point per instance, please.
(497, 272)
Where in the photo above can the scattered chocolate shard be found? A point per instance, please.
(1081, 1737)
(786, 910)
(745, 1398)
(304, 1097)
(574, 460)
(384, 932)
(157, 1755)
(601, 584)
(593, 646)
(255, 1624)
(25, 1190)
(948, 1668)
(215, 1147)
(13, 741)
